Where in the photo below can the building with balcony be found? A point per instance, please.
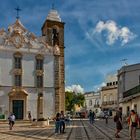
(109, 94)
(32, 69)
(92, 101)
(129, 88)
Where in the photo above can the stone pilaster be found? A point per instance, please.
(57, 83)
(40, 106)
(62, 79)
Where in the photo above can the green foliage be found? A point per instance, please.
(69, 101)
(73, 99)
(80, 99)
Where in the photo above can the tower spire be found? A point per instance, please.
(18, 10)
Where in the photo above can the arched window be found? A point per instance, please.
(18, 80)
(105, 99)
(90, 102)
(39, 66)
(55, 36)
(97, 102)
(39, 81)
(17, 60)
(17, 65)
(111, 98)
(39, 62)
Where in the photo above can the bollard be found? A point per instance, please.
(48, 121)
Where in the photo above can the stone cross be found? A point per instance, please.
(17, 9)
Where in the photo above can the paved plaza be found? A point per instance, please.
(79, 130)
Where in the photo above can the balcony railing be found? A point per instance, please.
(109, 102)
(97, 105)
(132, 91)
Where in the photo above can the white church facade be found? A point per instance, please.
(32, 69)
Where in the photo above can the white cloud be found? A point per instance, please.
(113, 32)
(98, 87)
(74, 88)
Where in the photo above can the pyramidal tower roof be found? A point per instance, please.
(54, 15)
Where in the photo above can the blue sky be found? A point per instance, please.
(98, 34)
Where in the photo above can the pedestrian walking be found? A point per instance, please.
(91, 116)
(133, 122)
(11, 119)
(29, 116)
(68, 119)
(57, 123)
(106, 117)
(62, 122)
(118, 121)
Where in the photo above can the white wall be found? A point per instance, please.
(4, 100)
(131, 104)
(6, 68)
(32, 102)
(49, 103)
(129, 78)
(49, 71)
(28, 80)
(28, 67)
(132, 79)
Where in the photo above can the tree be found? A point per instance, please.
(69, 101)
(73, 99)
(80, 99)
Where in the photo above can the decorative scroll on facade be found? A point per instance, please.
(19, 37)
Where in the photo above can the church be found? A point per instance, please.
(32, 69)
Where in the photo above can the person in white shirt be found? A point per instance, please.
(11, 119)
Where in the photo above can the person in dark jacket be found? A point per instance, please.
(62, 122)
(118, 122)
(91, 116)
(57, 123)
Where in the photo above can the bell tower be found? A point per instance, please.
(53, 31)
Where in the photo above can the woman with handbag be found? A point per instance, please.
(133, 122)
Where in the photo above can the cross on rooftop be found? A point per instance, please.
(17, 9)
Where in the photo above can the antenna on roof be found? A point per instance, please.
(124, 61)
(17, 9)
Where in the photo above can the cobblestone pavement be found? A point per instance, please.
(79, 130)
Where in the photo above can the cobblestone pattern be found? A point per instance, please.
(79, 130)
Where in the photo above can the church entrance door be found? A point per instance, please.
(18, 108)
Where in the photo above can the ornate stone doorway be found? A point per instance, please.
(18, 103)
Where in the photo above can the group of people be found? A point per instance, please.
(60, 119)
(133, 123)
(60, 123)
